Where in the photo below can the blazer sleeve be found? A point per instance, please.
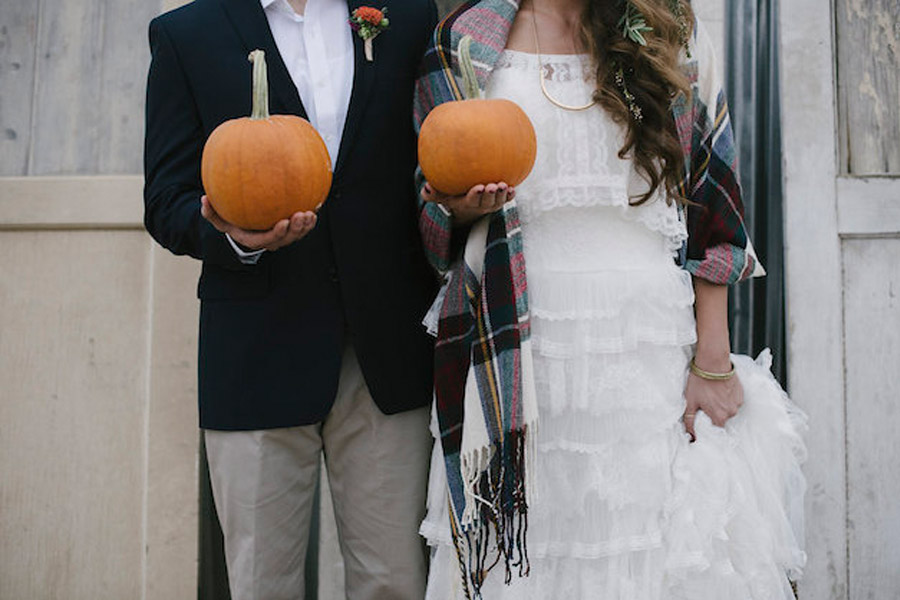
(173, 146)
(718, 249)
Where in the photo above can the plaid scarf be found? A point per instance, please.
(483, 375)
(484, 386)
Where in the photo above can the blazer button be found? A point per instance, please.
(336, 196)
(333, 275)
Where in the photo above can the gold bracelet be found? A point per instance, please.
(711, 376)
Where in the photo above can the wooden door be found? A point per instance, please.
(841, 111)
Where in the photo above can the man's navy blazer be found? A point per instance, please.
(272, 334)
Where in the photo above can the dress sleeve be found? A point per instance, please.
(718, 249)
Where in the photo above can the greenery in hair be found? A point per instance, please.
(633, 25)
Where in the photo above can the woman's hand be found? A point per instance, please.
(284, 232)
(720, 400)
(479, 201)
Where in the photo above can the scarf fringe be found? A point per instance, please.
(495, 520)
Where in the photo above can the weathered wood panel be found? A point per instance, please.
(868, 41)
(171, 493)
(73, 366)
(872, 322)
(88, 102)
(18, 36)
(123, 77)
(813, 283)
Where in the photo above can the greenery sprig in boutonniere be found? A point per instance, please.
(368, 22)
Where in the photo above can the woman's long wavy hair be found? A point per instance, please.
(652, 75)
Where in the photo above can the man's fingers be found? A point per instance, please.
(209, 213)
(300, 221)
(262, 239)
(301, 224)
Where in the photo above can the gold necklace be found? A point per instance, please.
(547, 94)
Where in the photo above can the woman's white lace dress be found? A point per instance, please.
(625, 507)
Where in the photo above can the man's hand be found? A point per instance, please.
(479, 201)
(284, 232)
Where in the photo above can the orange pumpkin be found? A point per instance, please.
(260, 169)
(474, 141)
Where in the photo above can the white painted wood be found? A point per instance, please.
(91, 69)
(171, 532)
(872, 317)
(868, 46)
(868, 207)
(123, 67)
(18, 28)
(73, 376)
(71, 202)
(813, 283)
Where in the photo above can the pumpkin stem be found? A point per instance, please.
(260, 85)
(470, 81)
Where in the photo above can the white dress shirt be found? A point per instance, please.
(317, 49)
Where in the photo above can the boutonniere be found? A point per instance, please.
(368, 22)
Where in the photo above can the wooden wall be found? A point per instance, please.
(868, 70)
(841, 105)
(98, 433)
(868, 66)
(72, 75)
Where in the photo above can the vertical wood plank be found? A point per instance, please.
(171, 504)
(813, 283)
(872, 308)
(18, 42)
(66, 103)
(73, 364)
(91, 63)
(124, 62)
(868, 42)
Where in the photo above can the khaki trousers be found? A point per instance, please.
(377, 465)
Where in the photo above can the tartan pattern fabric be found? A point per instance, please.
(484, 389)
(483, 349)
(718, 248)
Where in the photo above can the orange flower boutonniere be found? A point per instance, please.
(368, 22)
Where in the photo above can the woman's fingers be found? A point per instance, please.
(488, 197)
(690, 417)
(502, 196)
(474, 196)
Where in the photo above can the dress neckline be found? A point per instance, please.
(550, 57)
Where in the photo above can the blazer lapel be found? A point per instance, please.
(363, 78)
(249, 19)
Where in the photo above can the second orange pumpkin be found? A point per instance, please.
(471, 142)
